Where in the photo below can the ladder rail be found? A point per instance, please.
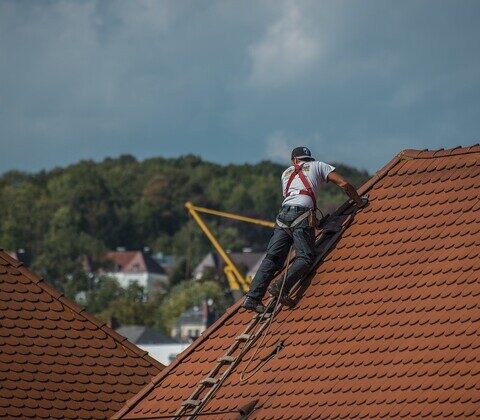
(227, 372)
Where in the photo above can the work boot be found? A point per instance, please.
(251, 304)
(274, 290)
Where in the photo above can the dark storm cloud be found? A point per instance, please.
(235, 81)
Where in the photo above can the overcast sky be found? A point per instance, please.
(236, 81)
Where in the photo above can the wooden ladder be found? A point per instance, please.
(224, 365)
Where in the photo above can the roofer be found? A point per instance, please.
(295, 225)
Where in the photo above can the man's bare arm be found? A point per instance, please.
(348, 188)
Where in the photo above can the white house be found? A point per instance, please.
(136, 266)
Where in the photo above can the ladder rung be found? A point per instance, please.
(192, 403)
(226, 359)
(209, 381)
(243, 337)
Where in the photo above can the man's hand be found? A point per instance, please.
(348, 188)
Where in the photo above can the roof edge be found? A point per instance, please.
(428, 154)
(80, 311)
(10, 259)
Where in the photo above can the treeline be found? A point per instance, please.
(66, 214)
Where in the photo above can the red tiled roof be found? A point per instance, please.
(57, 361)
(389, 326)
(131, 261)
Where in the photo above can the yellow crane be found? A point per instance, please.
(239, 284)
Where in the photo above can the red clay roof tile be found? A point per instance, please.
(56, 361)
(388, 326)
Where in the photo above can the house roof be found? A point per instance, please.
(247, 260)
(141, 334)
(195, 315)
(389, 325)
(192, 316)
(134, 261)
(57, 361)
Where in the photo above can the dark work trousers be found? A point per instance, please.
(303, 240)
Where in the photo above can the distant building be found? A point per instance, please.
(159, 346)
(136, 267)
(166, 261)
(213, 265)
(193, 322)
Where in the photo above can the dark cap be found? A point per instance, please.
(302, 153)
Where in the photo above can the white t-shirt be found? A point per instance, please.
(316, 173)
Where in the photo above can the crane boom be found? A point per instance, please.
(237, 281)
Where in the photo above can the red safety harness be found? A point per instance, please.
(298, 170)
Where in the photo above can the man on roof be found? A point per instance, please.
(295, 226)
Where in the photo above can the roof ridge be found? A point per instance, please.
(70, 304)
(233, 309)
(428, 154)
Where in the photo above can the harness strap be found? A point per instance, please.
(308, 188)
(300, 218)
(282, 225)
(292, 177)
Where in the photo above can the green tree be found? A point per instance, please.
(131, 307)
(185, 295)
(83, 191)
(102, 294)
(180, 272)
(231, 238)
(24, 216)
(60, 261)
